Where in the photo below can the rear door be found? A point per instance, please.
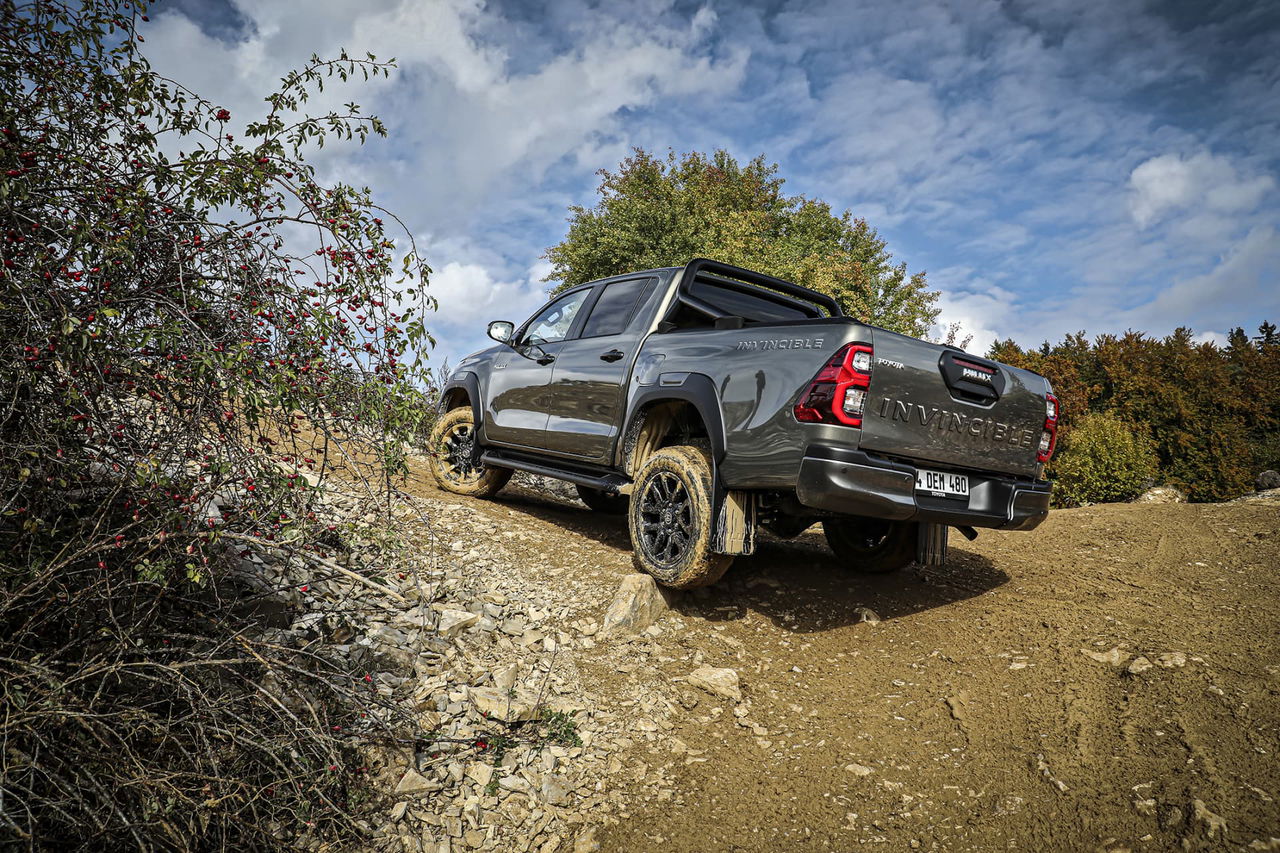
(591, 371)
(937, 404)
(518, 396)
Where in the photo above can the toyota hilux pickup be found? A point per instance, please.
(708, 401)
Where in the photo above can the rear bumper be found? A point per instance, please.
(852, 482)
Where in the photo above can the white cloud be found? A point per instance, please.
(474, 133)
(983, 309)
(1217, 338)
(1016, 149)
(1171, 183)
(1019, 140)
(470, 296)
(467, 125)
(1239, 289)
(1244, 281)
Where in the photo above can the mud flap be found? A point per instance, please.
(931, 544)
(735, 531)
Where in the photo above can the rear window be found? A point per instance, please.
(614, 308)
(748, 306)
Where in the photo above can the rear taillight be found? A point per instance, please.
(1049, 436)
(838, 393)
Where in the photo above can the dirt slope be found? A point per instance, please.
(970, 716)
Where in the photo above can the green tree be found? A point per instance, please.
(657, 213)
(1102, 461)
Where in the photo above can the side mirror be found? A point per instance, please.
(502, 330)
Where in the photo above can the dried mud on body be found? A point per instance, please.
(1110, 681)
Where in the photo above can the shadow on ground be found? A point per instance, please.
(797, 583)
(608, 530)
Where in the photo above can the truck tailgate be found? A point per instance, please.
(935, 403)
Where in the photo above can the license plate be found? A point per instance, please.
(941, 484)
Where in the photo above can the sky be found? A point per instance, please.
(1053, 166)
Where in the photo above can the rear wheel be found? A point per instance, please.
(670, 519)
(453, 441)
(603, 502)
(871, 545)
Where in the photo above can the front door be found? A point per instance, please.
(517, 405)
(517, 400)
(591, 370)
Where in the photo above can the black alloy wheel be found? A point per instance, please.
(670, 518)
(458, 449)
(666, 514)
(454, 451)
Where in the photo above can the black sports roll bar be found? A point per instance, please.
(700, 266)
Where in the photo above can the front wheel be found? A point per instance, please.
(871, 545)
(670, 519)
(454, 468)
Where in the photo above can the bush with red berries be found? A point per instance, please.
(187, 323)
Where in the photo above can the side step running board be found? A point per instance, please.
(610, 484)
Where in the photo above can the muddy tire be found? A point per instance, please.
(451, 443)
(670, 519)
(602, 502)
(871, 545)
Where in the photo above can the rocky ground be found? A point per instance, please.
(1110, 681)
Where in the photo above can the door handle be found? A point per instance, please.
(545, 359)
(612, 355)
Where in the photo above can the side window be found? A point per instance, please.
(554, 322)
(613, 309)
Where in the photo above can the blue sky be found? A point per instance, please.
(1053, 166)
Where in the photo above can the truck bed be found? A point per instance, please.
(921, 404)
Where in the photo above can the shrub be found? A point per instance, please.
(182, 335)
(1103, 460)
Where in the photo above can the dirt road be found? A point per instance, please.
(1110, 681)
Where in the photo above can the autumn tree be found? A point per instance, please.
(654, 212)
(1211, 413)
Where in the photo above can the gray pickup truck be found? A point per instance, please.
(706, 401)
